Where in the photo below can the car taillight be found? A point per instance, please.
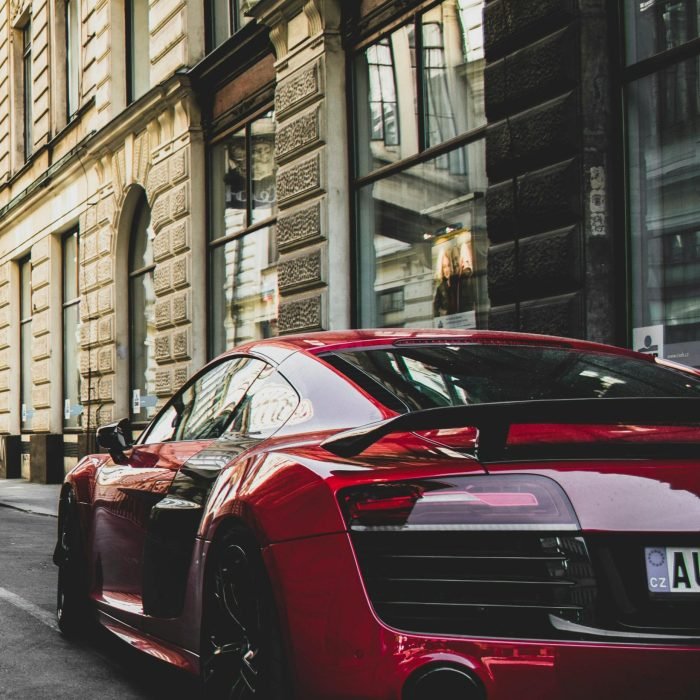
(493, 502)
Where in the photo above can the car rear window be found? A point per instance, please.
(410, 378)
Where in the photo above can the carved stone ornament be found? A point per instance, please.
(299, 228)
(293, 93)
(300, 179)
(302, 315)
(297, 135)
(300, 273)
(18, 8)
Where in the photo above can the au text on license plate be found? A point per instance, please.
(673, 569)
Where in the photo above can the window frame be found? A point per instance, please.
(66, 304)
(135, 273)
(136, 39)
(215, 242)
(27, 96)
(263, 373)
(630, 72)
(73, 63)
(424, 152)
(25, 322)
(234, 21)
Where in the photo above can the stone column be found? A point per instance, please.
(313, 227)
(548, 108)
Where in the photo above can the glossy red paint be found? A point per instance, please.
(623, 496)
(371, 661)
(284, 489)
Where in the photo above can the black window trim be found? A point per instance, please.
(68, 303)
(222, 359)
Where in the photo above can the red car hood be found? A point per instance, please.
(626, 496)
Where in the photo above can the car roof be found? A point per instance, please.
(319, 342)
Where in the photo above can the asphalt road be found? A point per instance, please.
(35, 660)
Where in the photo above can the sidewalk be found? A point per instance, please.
(29, 497)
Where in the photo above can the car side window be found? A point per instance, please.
(267, 406)
(204, 408)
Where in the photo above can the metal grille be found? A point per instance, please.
(485, 583)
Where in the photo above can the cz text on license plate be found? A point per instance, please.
(673, 569)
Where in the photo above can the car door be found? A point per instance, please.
(260, 408)
(126, 493)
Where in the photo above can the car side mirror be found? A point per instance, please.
(116, 438)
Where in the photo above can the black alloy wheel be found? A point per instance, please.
(241, 648)
(72, 610)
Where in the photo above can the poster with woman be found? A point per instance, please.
(454, 293)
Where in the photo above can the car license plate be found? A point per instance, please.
(673, 569)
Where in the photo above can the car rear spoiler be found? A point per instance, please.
(493, 420)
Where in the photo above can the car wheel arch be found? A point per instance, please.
(236, 531)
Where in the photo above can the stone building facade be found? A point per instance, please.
(222, 170)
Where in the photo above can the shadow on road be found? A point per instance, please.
(146, 676)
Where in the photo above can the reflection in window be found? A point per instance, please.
(226, 17)
(441, 96)
(427, 231)
(655, 26)
(72, 20)
(25, 342)
(142, 302)
(430, 377)
(244, 289)
(72, 407)
(267, 405)
(382, 94)
(663, 119)
(27, 95)
(206, 407)
(421, 228)
(138, 59)
(243, 254)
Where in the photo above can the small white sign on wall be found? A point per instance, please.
(136, 401)
(649, 339)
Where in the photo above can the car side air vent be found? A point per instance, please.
(493, 584)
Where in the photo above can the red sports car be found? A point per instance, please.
(403, 514)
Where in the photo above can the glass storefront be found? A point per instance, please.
(25, 343)
(72, 408)
(243, 253)
(142, 304)
(420, 172)
(662, 122)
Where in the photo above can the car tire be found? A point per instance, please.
(72, 610)
(241, 647)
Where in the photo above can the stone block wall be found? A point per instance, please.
(299, 151)
(8, 378)
(311, 154)
(545, 144)
(533, 149)
(161, 166)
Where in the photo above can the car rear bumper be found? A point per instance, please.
(338, 648)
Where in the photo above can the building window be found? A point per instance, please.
(142, 317)
(25, 343)
(28, 134)
(72, 407)
(662, 111)
(420, 171)
(242, 250)
(225, 18)
(382, 93)
(72, 19)
(138, 60)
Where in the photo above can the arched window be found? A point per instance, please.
(142, 317)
